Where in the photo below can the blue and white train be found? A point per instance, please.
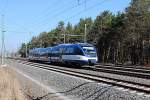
(77, 54)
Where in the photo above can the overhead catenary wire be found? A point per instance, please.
(58, 15)
(62, 11)
(82, 11)
(45, 12)
(37, 18)
(87, 9)
(45, 16)
(19, 25)
(24, 30)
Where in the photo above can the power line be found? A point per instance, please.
(85, 34)
(64, 11)
(37, 17)
(42, 18)
(17, 31)
(25, 29)
(19, 25)
(87, 9)
(56, 15)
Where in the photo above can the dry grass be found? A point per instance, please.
(9, 85)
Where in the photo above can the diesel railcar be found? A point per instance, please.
(76, 54)
(39, 54)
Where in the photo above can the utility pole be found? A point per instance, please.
(64, 38)
(28, 45)
(29, 40)
(85, 33)
(3, 41)
(41, 43)
(64, 33)
(26, 49)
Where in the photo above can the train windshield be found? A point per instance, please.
(90, 51)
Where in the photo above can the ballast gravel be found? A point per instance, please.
(77, 88)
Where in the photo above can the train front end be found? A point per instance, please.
(90, 54)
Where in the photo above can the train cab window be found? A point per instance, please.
(78, 51)
(90, 51)
(73, 51)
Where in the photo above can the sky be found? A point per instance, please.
(24, 19)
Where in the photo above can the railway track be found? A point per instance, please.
(121, 70)
(139, 72)
(139, 87)
(124, 66)
(133, 69)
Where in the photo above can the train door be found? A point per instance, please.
(61, 54)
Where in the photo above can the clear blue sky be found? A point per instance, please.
(23, 17)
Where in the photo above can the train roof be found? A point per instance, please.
(81, 44)
(84, 44)
(40, 48)
(68, 44)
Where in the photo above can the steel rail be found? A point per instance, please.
(115, 82)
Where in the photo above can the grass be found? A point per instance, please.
(10, 88)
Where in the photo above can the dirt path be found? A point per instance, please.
(13, 86)
(10, 88)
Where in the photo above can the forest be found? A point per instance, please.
(120, 38)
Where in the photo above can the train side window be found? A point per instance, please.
(69, 51)
(65, 51)
(55, 51)
(49, 52)
(61, 51)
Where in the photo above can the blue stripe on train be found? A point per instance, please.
(81, 62)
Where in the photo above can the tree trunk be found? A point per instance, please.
(108, 52)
